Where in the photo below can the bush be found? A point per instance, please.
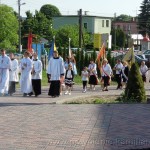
(135, 91)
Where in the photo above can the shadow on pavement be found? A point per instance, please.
(24, 104)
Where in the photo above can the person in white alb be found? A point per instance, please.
(36, 75)
(144, 71)
(13, 74)
(106, 74)
(5, 64)
(25, 78)
(55, 71)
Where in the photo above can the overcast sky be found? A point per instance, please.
(70, 7)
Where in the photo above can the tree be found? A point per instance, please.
(135, 90)
(50, 11)
(70, 31)
(144, 18)
(38, 24)
(123, 17)
(8, 28)
(118, 37)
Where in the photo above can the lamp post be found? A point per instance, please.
(19, 23)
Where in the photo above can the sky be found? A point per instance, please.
(70, 7)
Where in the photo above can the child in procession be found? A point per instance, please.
(84, 75)
(69, 79)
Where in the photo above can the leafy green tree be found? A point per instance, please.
(70, 31)
(86, 60)
(135, 91)
(8, 28)
(121, 37)
(144, 18)
(123, 17)
(94, 55)
(118, 37)
(38, 24)
(50, 11)
(109, 55)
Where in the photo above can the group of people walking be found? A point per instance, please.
(121, 71)
(59, 73)
(30, 70)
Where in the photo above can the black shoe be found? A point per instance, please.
(24, 94)
(30, 94)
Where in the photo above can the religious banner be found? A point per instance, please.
(97, 40)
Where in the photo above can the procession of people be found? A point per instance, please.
(60, 73)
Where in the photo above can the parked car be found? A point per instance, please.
(139, 59)
(142, 56)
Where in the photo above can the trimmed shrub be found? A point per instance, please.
(135, 91)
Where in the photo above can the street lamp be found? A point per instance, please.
(19, 22)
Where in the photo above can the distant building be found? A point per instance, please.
(93, 24)
(129, 27)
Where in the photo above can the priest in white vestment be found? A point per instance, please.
(55, 72)
(13, 74)
(25, 78)
(4, 73)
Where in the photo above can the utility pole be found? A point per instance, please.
(115, 30)
(19, 23)
(80, 28)
(136, 20)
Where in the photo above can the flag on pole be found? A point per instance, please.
(70, 52)
(129, 57)
(101, 55)
(30, 36)
(52, 49)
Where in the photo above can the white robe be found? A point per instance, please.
(37, 65)
(5, 64)
(25, 78)
(55, 68)
(13, 73)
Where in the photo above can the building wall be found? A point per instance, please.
(127, 27)
(92, 23)
(102, 25)
(61, 21)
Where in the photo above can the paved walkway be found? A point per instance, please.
(41, 124)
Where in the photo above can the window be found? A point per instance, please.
(102, 23)
(85, 25)
(107, 23)
(129, 27)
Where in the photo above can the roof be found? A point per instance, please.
(83, 16)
